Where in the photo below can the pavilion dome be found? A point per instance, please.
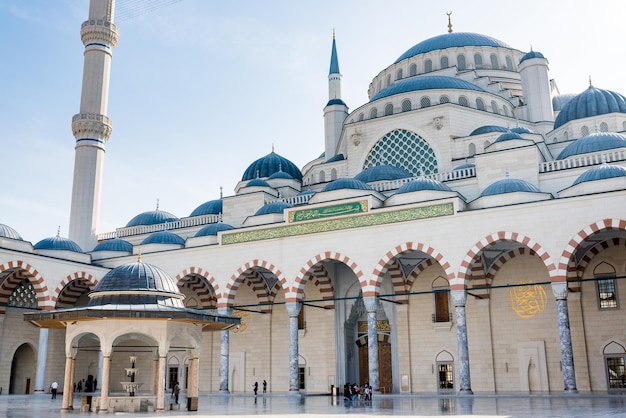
(163, 237)
(382, 172)
(601, 141)
(270, 164)
(338, 157)
(114, 244)
(153, 217)
(8, 232)
(591, 102)
(346, 183)
(58, 243)
(509, 185)
(257, 183)
(521, 130)
(601, 172)
(213, 229)
(423, 183)
(530, 55)
(212, 207)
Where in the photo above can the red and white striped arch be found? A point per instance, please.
(201, 283)
(23, 270)
(73, 287)
(226, 298)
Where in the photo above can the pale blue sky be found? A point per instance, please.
(200, 88)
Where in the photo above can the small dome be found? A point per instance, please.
(509, 185)
(257, 183)
(591, 102)
(336, 102)
(281, 175)
(212, 207)
(488, 129)
(531, 55)
(163, 237)
(346, 183)
(423, 183)
(521, 130)
(213, 229)
(507, 136)
(114, 244)
(430, 82)
(338, 157)
(601, 172)
(601, 141)
(464, 166)
(305, 192)
(274, 207)
(451, 40)
(382, 172)
(58, 243)
(8, 232)
(270, 164)
(153, 217)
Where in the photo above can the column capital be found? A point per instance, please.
(559, 290)
(293, 308)
(459, 297)
(371, 303)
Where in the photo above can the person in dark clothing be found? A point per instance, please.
(176, 391)
(264, 386)
(256, 387)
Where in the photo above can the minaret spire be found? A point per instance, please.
(336, 111)
(449, 21)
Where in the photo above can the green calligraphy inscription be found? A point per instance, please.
(327, 211)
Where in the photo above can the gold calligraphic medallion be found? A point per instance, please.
(245, 318)
(527, 300)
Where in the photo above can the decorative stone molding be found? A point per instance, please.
(92, 125)
(559, 290)
(100, 32)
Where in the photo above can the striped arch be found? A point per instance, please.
(594, 251)
(11, 281)
(321, 279)
(567, 261)
(509, 255)
(200, 283)
(385, 263)
(72, 287)
(226, 298)
(400, 286)
(295, 294)
(466, 265)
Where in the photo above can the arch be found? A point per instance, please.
(406, 105)
(388, 109)
(460, 62)
(319, 276)
(443, 62)
(72, 288)
(509, 255)
(333, 174)
(388, 80)
(494, 107)
(480, 104)
(590, 253)
(399, 74)
(613, 347)
(23, 370)
(322, 176)
(478, 61)
(495, 65)
(509, 63)
(444, 99)
(463, 101)
(413, 70)
(373, 113)
(295, 293)
(604, 127)
(471, 149)
(428, 66)
(444, 355)
(505, 109)
(404, 149)
(226, 298)
(9, 269)
(486, 145)
(201, 283)
(361, 117)
(584, 131)
(425, 101)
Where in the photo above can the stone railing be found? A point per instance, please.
(294, 200)
(147, 229)
(451, 175)
(583, 161)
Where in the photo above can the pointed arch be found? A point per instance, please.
(10, 280)
(295, 294)
(226, 297)
(200, 283)
(72, 288)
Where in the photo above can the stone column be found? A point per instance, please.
(155, 375)
(42, 355)
(100, 363)
(192, 390)
(224, 349)
(371, 304)
(72, 373)
(293, 310)
(68, 385)
(105, 382)
(567, 354)
(465, 385)
(161, 385)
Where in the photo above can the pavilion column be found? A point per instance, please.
(192, 390)
(293, 310)
(565, 337)
(371, 304)
(224, 350)
(460, 298)
(161, 385)
(68, 384)
(105, 385)
(100, 363)
(155, 375)
(42, 355)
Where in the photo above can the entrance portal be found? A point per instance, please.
(23, 369)
(384, 364)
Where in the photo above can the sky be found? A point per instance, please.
(200, 89)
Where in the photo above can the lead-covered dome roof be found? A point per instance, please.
(427, 82)
(153, 217)
(601, 172)
(8, 232)
(346, 183)
(531, 55)
(273, 207)
(507, 136)
(451, 40)
(114, 244)
(488, 129)
(423, 183)
(509, 185)
(58, 243)
(591, 102)
(213, 229)
(270, 164)
(163, 237)
(382, 172)
(212, 207)
(601, 141)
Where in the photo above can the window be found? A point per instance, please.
(301, 376)
(509, 63)
(444, 100)
(428, 66)
(472, 150)
(604, 127)
(494, 107)
(486, 145)
(480, 105)
(361, 117)
(406, 105)
(506, 110)
(565, 136)
(333, 174)
(444, 62)
(172, 377)
(460, 62)
(607, 293)
(24, 296)
(584, 131)
(301, 321)
(441, 299)
(463, 101)
(478, 61)
(373, 113)
(624, 126)
(616, 372)
(388, 109)
(388, 82)
(494, 62)
(425, 101)
(445, 374)
(413, 70)
(399, 74)
(322, 176)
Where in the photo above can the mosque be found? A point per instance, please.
(463, 231)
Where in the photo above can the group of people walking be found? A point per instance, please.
(354, 392)
(256, 387)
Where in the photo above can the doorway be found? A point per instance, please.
(384, 363)
(23, 368)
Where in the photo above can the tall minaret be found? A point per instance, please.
(336, 111)
(92, 127)
(533, 69)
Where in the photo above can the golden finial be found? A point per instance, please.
(590, 84)
(333, 33)
(139, 255)
(449, 21)
(272, 147)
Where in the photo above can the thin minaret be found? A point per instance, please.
(336, 111)
(91, 126)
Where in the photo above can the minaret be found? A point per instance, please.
(336, 111)
(533, 69)
(91, 126)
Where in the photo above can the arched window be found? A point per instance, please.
(361, 117)
(486, 145)
(444, 100)
(472, 149)
(388, 82)
(441, 300)
(333, 174)
(463, 101)
(565, 136)
(604, 127)
(373, 113)
(460, 62)
(606, 286)
(506, 110)
(425, 101)
(413, 70)
(406, 105)
(388, 109)
(584, 131)
(399, 74)
(480, 105)
(478, 61)
(624, 126)
(494, 62)
(444, 62)
(494, 107)
(509, 63)
(322, 177)
(428, 66)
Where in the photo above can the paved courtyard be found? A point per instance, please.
(214, 405)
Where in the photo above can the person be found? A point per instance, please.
(176, 391)
(95, 384)
(256, 387)
(264, 386)
(53, 388)
(79, 386)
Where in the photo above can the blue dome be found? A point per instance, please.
(507, 136)
(304, 192)
(591, 102)
(58, 243)
(559, 102)
(464, 166)
(213, 229)
(338, 157)
(429, 82)
(281, 175)
(451, 40)
(163, 237)
(274, 207)
(270, 164)
(115, 244)
(509, 185)
(346, 183)
(335, 102)
(152, 217)
(382, 172)
(521, 130)
(212, 207)
(257, 183)
(423, 183)
(8, 232)
(593, 143)
(487, 129)
(601, 172)
(531, 55)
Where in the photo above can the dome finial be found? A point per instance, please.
(157, 208)
(272, 147)
(221, 192)
(590, 84)
(59, 231)
(531, 47)
(139, 255)
(449, 21)
(333, 33)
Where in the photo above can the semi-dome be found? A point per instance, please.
(212, 207)
(163, 237)
(429, 82)
(530, 55)
(423, 183)
(601, 141)
(601, 172)
(274, 207)
(213, 229)
(305, 192)
(488, 129)
(114, 244)
(257, 183)
(270, 164)
(521, 130)
(382, 172)
(464, 166)
(509, 185)
(58, 243)
(451, 40)
(153, 217)
(338, 157)
(8, 232)
(507, 136)
(346, 183)
(591, 102)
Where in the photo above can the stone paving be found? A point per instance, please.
(322, 406)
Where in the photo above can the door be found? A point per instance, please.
(384, 366)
